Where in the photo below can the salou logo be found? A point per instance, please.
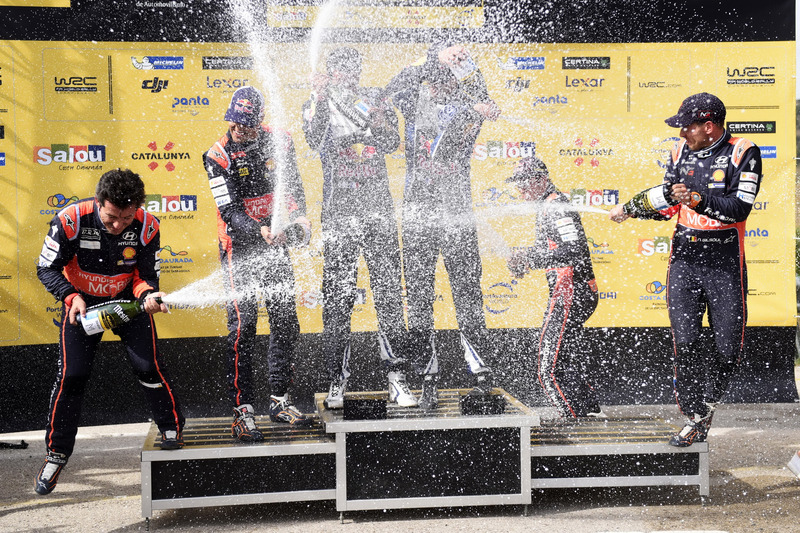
(657, 245)
(499, 297)
(154, 155)
(503, 150)
(156, 203)
(66, 153)
(594, 197)
(586, 150)
(158, 63)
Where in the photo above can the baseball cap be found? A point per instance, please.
(529, 169)
(698, 108)
(247, 107)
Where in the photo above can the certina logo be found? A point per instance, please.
(503, 150)
(155, 85)
(583, 84)
(158, 63)
(76, 84)
(65, 153)
(594, 63)
(155, 203)
(657, 245)
(521, 63)
(226, 83)
(154, 155)
(596, 197)
(518, 84)
(737, 128)
(227, 63)
(582, 150)
(751, 75)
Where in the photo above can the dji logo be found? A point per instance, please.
(155, 85)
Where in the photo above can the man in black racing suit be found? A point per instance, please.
(353, 128)
(444, 101)
(711, 183)
(99, 250)
(248, 167)
(562, 251)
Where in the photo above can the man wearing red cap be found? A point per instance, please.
(561, 250)
(711, 182)
(246, 167)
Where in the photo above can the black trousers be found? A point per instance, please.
(562, 362)
(458, 245)
(719, 287)
(76, 357)
(247, 273)
(346, 237)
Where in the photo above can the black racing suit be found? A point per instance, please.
(562, 251)
(441, 128)
(243, 178)
(80, 257)
(357, 217)
(707, 268)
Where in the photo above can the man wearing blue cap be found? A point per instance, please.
(246, 167)
(711, 182)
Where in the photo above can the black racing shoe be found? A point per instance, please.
(48, 475)
(171, 439)
(282, 410)
(695, 430)
(429, 398)
(244, 424)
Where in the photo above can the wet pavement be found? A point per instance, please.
(751, 489)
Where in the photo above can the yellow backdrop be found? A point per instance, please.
(71, 111)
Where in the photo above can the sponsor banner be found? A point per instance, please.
(467, 14)
(594, 113)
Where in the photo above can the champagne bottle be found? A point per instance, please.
(110, 315)
(650, 201)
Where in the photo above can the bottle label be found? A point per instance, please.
(92, 323)
(657, 199)
(463, 69)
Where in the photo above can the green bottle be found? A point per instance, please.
(650, 201)
(110, 315)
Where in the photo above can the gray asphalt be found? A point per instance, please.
(751, 489)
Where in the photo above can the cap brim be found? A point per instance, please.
(678, 121)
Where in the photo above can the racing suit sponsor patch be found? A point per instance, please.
(746, 197)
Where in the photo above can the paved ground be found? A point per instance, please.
(751, 490)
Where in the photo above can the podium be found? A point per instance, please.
(410, 458)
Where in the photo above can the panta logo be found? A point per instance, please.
(503, 150)
(65, 153)
(656, 245)
(76, 84)
(550, 100)
(595, 197)
(155, 203)
(751, 76)
(756, 232)
(155, 85)
(190, 102)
